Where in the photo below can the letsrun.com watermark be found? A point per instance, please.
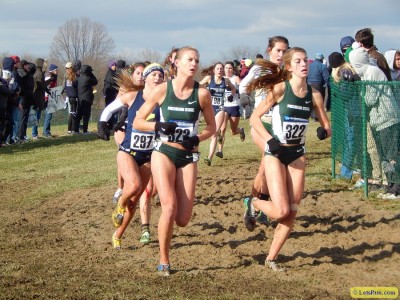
(373, 292)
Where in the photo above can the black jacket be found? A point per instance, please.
(110, 90)
(26, 82)
(5, 94)
(40, 85)
(86, 82)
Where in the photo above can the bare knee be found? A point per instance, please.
(182, 222)
(282, 212)
(132, 188)
(168, 211)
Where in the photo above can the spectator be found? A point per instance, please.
(110, 90)
(343, 71)
(25, 77)
(121, 64)
(246, 63)
(38, 94)
(345, 46)
(12, 104)
(76, 65)
(384, 117)
(318, 78)
(365, 38)
(6, 96)
(86, 82)
(51, 81)
(15, 86)
(393, 60)
(71, 90)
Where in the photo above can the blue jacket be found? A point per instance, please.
(318, 73)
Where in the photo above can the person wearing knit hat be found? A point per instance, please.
(335, 59)
(53, 68)
(8, 64)
(151, 68)
(133, 159)
(16, 59)
(68, 65)
(345, 43)
(384, 119)
(112, 64)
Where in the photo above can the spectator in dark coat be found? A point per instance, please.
(38, 93)
(8, 80)
(110, 90)
(25, 78)
(6, 96)
(86, 82)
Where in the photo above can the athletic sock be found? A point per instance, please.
(145, 227)
(264, 196)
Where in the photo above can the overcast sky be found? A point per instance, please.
(213, 27)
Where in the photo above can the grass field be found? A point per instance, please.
(56, 229)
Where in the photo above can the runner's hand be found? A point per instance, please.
(273, 147)
(189, 143)
(103, 131)
(322, 133)
(166, 128)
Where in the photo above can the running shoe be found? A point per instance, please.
(118, 216)
(164, 269)
(219, 154)
(262, 218)
(145, 237)
(116, 242)
(242, 134)
(117, 194)
(273, 265)
(207, 161)
(250, 215)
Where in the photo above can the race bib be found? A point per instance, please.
(216, 100)
(142, 141)
(294, 129)
(183, 129)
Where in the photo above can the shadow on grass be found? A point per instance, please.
(47, 142)
(340, 256)
(356, 222)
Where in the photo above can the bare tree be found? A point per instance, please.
(81, 39)
(142, 56)
(238, 52)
